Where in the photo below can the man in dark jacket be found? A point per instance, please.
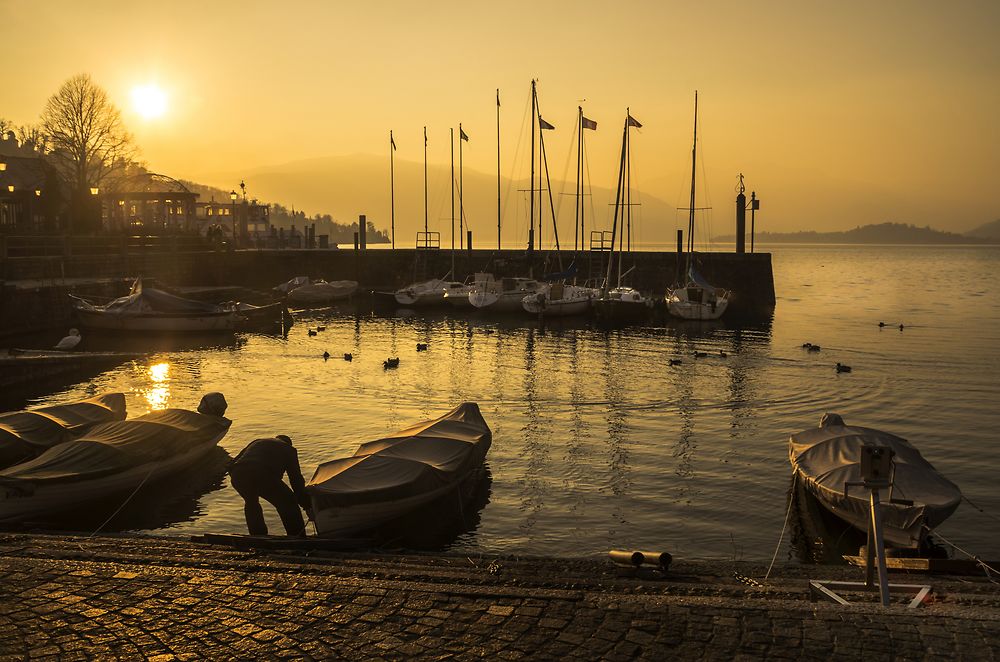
(256, 474)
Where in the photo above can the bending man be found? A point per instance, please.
(256, 474)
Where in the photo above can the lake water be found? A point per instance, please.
(598, 442)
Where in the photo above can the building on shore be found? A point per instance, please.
(30, 197)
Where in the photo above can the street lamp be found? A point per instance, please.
(94, 190)
(233, 196)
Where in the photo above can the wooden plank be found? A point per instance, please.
(946, 566)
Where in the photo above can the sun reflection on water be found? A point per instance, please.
(158, 394)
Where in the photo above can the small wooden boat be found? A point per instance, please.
(111, 458)
(318, 292)
(388, 478)
(255, 317)
(827, 457)
(425, 293)
(151, 310)
(458, 297)
(560, 300)
(27, 434)
(502, 296)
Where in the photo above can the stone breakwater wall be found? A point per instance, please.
(33, 290)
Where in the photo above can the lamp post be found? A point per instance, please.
(233, 196)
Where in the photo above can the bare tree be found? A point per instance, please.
(33, 135)
(86, 138)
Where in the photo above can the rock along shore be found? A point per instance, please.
(65, 597)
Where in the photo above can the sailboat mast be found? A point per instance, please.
(531, 186)
(498, 168)
(625, 198)
(578, 221)
(452, 134)
(618, 199)
(461, 189)
(628, 193)
(694, 151)
(392, 188)
(425, 185)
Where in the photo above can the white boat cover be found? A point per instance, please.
(147, 301)
(826, 457)
(321, 290)
(26, 434)
(414, 461)
(118, 446)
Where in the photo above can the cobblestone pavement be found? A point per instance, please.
(66, 598)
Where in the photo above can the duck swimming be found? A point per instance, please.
(348, 357)
(421, 346)
(391, 363)
(843, 368)
(311, 332)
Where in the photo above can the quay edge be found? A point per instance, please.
(33, 291)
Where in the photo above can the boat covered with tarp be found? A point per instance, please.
(110, 459)
(388, 478)
(152, 310)
(303, 291)
(826, 457)
(27, 434)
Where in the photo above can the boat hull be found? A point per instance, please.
(680, 305)
(50, 499)
(347, 520)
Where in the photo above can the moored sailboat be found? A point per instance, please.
(622, 302)
(696, 299)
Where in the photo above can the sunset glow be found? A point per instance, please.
(149, 101)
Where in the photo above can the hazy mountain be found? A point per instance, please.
(989, 230)
(882, 233)
(346, 186)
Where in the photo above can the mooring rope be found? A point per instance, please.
(791, 500)
(123, 504)
(985, 566)
(984, 512)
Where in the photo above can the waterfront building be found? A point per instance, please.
(30, 198)
(149, 203)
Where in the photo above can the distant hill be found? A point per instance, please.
(882, 233)
(989, 230)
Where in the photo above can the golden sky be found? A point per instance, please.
(838, 113)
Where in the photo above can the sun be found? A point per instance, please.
(149, 101)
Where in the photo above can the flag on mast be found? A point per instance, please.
(543, 124)
(589, 124)
(634, 122)
(425, 136)
(392, 142)
(462, 134)
(498, 97)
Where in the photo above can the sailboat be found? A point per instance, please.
(557, 298)
(622, 302)
(428, 292)
(697, 299)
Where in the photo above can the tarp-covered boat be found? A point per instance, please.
(388, 478)
(302, 291)
(111, 458)
(27, 434)
(826, 457)
(148, 309)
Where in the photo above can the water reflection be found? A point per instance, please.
(158, 394)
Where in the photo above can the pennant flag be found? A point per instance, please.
(392, 142)
(498, 97)
(633, 122)
(425, 136)
(543, 124)
(462, 134)
(589, 124)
